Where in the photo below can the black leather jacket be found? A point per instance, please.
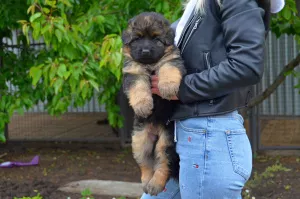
(223, 53)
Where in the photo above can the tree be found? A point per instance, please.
(83, 53)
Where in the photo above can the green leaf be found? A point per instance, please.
(100, 19)
(57, 85)
(31, 9)
(22, 21)
(52, 73)
(51, 3)
(46, 28)
(76, 73)
(36, 30)
(58, 35)
(62, 69)
(46, 10)
(84, 91)
(25, 30)
(82, 83)
(35, 73)
(2, 137)
(67, 3)
(67, 74)
(118, 59)
(73, 84)
(88, 49)
(286, 13)
(35, 16)
(90, 74)
(21, 111)
(94, 84)
(70, 52)
(27, 102)
(158, 8)
(60, 27)
(166, 6)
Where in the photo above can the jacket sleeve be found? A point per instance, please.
(244, 36)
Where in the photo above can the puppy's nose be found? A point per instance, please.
(145, 52)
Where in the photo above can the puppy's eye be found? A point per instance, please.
(159, 41)
(136, 38)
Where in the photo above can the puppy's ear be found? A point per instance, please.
(170, 35)
(127, 34)
(126, 37)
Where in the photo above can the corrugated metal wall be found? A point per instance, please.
(286, 100)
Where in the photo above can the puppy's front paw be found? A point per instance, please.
(168, 89)
(154, 188)
(143, 107)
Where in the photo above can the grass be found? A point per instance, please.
(257, 179)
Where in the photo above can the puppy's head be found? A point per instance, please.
(147, 36)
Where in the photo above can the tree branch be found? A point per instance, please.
(280, 78)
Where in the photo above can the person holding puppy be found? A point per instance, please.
(222, 45)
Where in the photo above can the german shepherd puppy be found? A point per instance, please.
(148, 47)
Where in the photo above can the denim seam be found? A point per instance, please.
(191, 129)
(237, 169)
(232, 131)
(173, 194)
(205, 167)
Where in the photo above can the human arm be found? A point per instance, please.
(244, 35)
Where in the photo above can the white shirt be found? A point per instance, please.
(276, 6)
(186, 14)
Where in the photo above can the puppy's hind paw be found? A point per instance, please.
(153, 189)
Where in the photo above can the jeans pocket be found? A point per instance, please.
(240, 152)
(190, 138)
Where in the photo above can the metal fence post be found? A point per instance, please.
(253, 123)
(253, 130)
(6, 132)
(127, 113)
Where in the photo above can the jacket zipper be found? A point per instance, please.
(207, 61)
(184, 31)
(192, 31)
(211, 102)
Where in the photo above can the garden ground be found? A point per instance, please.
(274, 177)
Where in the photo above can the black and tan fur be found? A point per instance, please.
(148, 49)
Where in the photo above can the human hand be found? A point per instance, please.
(154, 87)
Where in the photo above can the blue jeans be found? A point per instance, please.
(215, 159)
